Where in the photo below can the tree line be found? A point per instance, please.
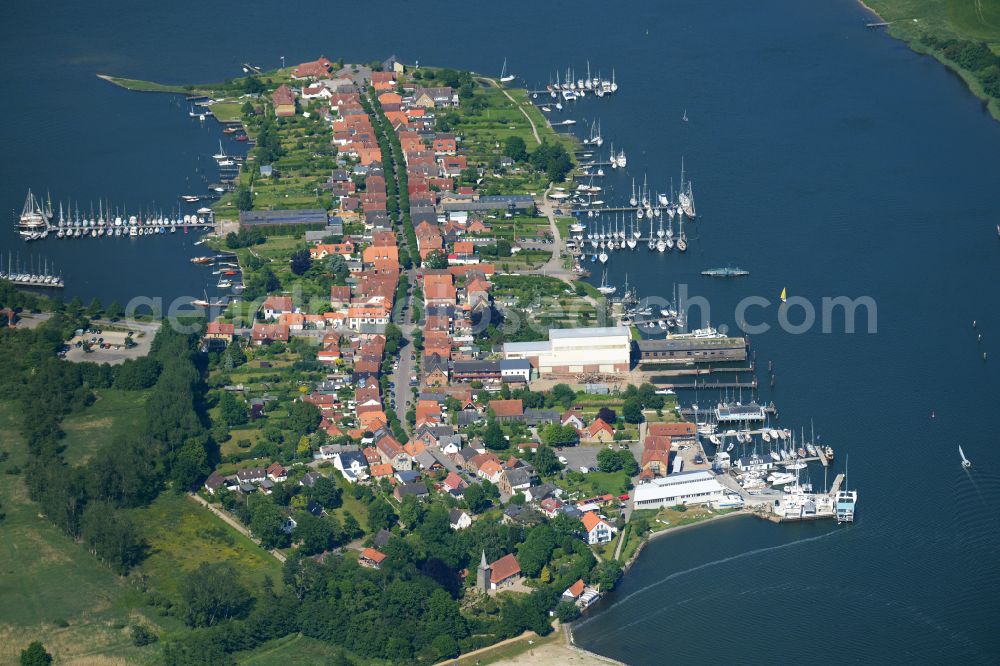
(86, 501)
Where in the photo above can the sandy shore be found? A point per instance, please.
(560, 651)
(875, 13)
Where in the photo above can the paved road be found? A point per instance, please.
(407, 367)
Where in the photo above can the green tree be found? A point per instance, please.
(115, 311)
(142, 636)
(606, 574)
(608, 460)
(94, 309)
(231, 411)
(266, 523)
(326, 492)
(303, 417)
(556, 435)
(545, 461)
(244, 198)
(567, 611)
(476, 499)
(563, 395)
(300, 262)
(628, 463)
(515, 148)
(436, 260)
(213, 593)
(380, 516)
(314, 534)
(493, 438)
(632, 410)
(35, 655)
(536, 550)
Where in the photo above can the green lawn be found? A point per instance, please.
(52, 589)
(115, 413)
(182, 534)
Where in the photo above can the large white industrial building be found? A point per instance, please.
(698, 487)
(576, 350)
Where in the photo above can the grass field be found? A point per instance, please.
(55, 591)
(114, 413)
(52, 589)
(182, 535)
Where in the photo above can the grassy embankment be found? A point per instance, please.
(57, 592)
(951, 31)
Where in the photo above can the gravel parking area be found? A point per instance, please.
(118, 352)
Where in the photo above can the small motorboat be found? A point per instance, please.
(966, 463)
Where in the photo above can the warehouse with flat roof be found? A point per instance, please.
(570, 351)
(699, 487)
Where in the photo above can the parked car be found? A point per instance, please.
(563, 460)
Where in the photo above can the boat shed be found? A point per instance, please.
(698, 487)
(691, 350)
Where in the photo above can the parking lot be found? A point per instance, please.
(117, 352)
(585, 455)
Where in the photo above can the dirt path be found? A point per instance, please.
(534, 130)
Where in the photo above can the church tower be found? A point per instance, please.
(483, 574)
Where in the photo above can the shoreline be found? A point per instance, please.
(674, 530)
(875, 13)
(972, 83)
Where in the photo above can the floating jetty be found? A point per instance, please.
(70, 223)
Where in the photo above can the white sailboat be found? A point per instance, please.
(966, 463)
(504, 76)
(605, 288)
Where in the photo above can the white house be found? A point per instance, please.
(597, 529)
(459, 519)
(352, 465)
(515, 369)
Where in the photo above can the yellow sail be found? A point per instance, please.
(784, 295)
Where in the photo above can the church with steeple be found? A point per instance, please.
(483, 574)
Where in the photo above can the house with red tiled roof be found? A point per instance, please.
(679, 431)
(574, 591)
(453, 482)
(323, 250)
(505, 572)
(599, 431)
(507, 410)
(295, 321)
(391, 452)
(491, 470)
(263, 334)
(381, 471)
(276, 472)
(316, 69)
(340, 296)
(371, 558)
(218, 330)
(277, 305)
(284, 101)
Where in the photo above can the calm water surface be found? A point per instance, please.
(825, 158)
